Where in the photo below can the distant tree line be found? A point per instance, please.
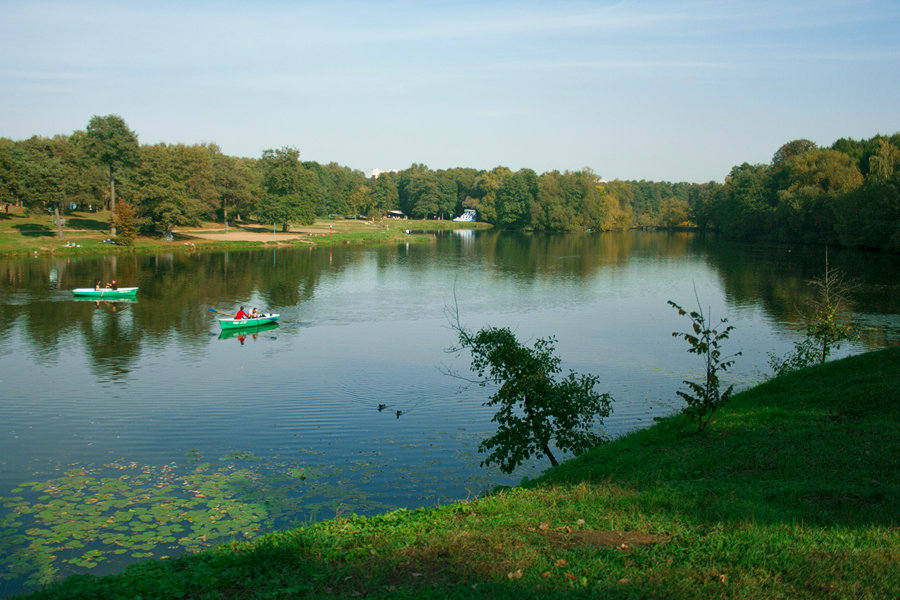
(848, 194)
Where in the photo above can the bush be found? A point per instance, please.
(125, 222)
(826, 324)
(704, 398)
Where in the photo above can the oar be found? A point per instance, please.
(218, 312)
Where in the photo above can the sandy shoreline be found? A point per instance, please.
(252, 236)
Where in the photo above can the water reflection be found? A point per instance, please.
(254, 332)
(174, 288)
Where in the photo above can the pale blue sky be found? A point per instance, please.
(660, 90)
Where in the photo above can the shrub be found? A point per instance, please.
(703, 398)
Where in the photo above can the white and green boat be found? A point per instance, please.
(105, 293)
(249, 324)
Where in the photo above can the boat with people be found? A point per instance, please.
(467, 216)
(105, 292)
(248, 323)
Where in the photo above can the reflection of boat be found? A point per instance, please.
(248, 323)
(467, 216)
(243, 331)
(106, 299)
(122, 292)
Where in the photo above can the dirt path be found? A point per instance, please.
(250, 236)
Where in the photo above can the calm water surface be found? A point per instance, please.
(156, 435)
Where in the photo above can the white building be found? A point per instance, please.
(376, 172)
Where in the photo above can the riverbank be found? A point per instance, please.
(88, 233)
(794, 491)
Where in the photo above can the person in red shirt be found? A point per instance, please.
(241, 314)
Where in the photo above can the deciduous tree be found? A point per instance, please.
(291, 190)
(112, 144)
(535, 409)
(161, 189)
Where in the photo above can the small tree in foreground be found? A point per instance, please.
(826, 325)
(534, 408)
(704, 397)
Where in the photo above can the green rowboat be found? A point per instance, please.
(248, 324)
(105, 293)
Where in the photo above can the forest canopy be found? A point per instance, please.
(846, 194)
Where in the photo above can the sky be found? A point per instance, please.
(663, 90)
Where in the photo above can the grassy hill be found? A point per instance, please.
(86, 233)
(794, 492)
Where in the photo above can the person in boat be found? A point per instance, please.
(254, 314)
(241, 314)
(112, 285)
(97, 287)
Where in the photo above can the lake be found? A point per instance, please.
(136, 429)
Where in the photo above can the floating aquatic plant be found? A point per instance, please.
(125, 510)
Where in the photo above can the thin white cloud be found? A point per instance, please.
(641, 69)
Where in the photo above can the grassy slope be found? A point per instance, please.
(23, 233)
(793, 493)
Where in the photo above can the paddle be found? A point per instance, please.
(218, 312)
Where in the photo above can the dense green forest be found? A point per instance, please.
(846, 194)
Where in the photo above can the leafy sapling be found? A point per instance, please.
(535, 409)
(704, 397)
(827, 327)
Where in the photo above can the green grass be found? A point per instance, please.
(793, 492)
(27, 233)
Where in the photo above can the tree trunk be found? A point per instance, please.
(535, 428)
(59, 232)
(549, 454)
(112, 202)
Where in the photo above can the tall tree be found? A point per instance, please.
(51, 176)
(237, 184)
(336, 186)
(620, 199)
(792, 149)
(162, 190)
(384, 193)
(673, 213)
(513, 199)
(746, 206)
(46, 177)
(291, 190)
(112, 144)
(816, 180)
(884, 162)
(421, 192)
